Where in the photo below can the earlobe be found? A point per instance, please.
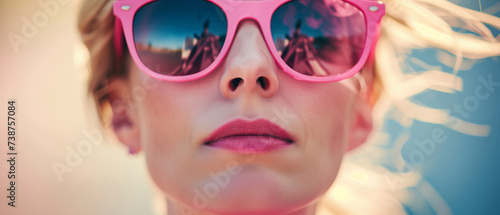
(361, 125)
(123, 120)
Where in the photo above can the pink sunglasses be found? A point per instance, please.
(311, 40)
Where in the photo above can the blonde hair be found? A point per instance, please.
(416, 24)
(96, 25)
(408, 24)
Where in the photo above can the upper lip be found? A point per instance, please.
(240, 127)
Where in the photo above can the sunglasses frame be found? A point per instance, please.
(237, 11)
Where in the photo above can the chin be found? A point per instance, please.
(254, 190)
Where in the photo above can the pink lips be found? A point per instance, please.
(247, 137)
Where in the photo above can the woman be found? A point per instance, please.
(249, 133)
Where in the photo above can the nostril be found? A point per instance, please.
(264, 82)
(233, 84)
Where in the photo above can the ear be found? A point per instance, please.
(124, 120)
(362, 124)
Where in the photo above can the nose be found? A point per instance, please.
(249, 66)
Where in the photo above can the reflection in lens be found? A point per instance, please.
(319, 37)
(179, 37)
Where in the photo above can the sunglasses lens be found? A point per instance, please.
(319, 37)
(179, 37)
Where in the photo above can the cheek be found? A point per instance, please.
(329, 134)
(168, 111)
(327, 114)
(163, 132)
(166, 116)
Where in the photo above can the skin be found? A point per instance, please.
(169, 121)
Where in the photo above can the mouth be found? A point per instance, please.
(247, 137)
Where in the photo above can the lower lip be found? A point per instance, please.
(249, 144)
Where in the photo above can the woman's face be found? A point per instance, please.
(171, 121)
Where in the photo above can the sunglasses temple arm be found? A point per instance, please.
(118, 42)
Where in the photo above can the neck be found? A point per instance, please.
(176, 208)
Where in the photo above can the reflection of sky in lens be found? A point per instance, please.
(167, 23)
(314, 24)
(284, 19)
